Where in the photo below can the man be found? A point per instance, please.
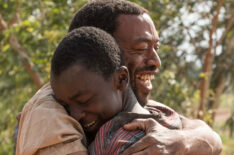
(135, 33)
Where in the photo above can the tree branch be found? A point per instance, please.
(22, 53)
(208, 61)
(229, 25)
(3, 25)
(214, 24)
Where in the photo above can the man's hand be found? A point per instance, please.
(158, 139)
(195, 138)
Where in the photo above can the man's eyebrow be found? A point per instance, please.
(145, 39)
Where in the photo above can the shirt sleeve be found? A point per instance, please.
(63, 148)
(46, 128)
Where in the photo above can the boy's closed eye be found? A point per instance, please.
(84, 100)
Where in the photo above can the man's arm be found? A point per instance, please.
(160, 140)
(199, 137)
(195, 137)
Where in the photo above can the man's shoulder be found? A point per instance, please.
(43, 108)
(160, 106)
(42, 117)
(44, 93)
(43, 103)
(43, 98)
(157, 104)
(168, 117)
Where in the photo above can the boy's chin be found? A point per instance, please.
(90, 136)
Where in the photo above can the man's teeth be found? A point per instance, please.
(89, 124)
(145, 77)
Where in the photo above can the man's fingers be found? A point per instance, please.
(141, 124)
(137, 124)
(140, 145)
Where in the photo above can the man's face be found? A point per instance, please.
(139, 42)
(90, 98)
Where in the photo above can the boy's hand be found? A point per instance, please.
(158, 139)
(18, 116)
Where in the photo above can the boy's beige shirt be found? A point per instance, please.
(46, 128)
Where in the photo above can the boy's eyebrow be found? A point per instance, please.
(79, 93)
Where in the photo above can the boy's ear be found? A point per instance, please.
(121, 78)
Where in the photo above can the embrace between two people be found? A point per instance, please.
(105, 90)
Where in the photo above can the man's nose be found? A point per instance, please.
(153, 59)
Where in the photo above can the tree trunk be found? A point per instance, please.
(207, 67)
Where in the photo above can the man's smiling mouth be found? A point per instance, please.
(146, 79)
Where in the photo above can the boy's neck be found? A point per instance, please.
(130, 103)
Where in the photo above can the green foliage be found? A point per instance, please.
(41, 25)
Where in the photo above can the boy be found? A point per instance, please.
(88, 79)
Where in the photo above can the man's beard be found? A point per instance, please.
(141, 98)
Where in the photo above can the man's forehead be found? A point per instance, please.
(136, 28)
(125, 19)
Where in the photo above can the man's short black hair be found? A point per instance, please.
(103, 14)
(89, 46)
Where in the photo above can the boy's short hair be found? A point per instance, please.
(89, 46)
(103, 14)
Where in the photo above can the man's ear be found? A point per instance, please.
(121, 78)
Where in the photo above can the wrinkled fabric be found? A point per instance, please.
(46, 128)
(113, 139)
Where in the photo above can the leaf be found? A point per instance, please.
(6, 47)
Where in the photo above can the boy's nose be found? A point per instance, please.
(80, 116)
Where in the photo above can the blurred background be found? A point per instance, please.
(196, 49)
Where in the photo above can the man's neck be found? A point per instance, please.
(130, 103)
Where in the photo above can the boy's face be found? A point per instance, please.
(90, 98)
